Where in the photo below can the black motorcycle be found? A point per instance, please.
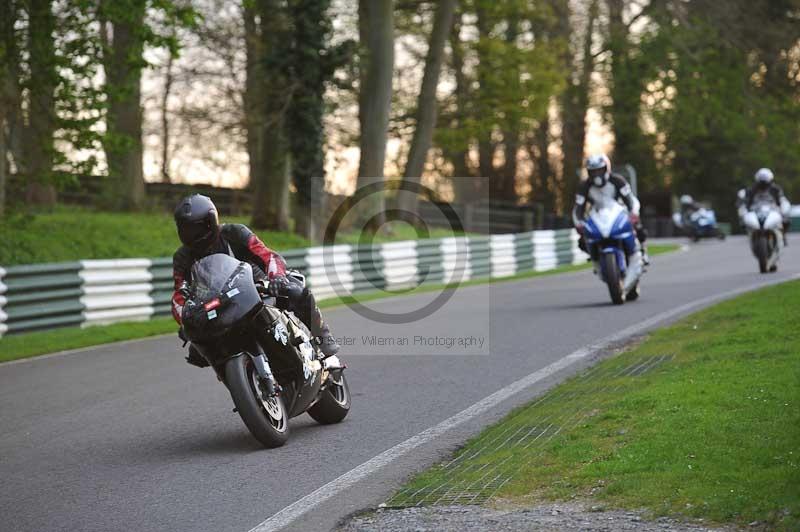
(266, 356)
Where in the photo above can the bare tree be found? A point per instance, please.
(427, 104)
(376, 32)
(169, 79)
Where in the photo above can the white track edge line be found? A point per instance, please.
(302, 506)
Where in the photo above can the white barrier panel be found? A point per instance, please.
(400, 264)
(116, 290)
(330, 271)
(503, 261)
(544, 250)
(456, 259)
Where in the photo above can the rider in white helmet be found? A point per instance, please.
(765, 189)
(603, 184)
(688, 206)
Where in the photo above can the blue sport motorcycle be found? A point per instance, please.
(612, 246)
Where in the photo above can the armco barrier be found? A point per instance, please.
(94, 292)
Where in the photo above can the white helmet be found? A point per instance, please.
(764, 176)
(599, 169)
(686, 199)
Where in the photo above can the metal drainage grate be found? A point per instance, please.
(648, 364)
(480, 471)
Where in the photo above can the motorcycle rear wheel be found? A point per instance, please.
(613, 279)
(267, 420)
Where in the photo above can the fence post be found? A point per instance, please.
(527, 221)
(467, 216)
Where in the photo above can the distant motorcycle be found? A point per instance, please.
(701, 223)
(764, 224)
(611, 241)
(265, 356)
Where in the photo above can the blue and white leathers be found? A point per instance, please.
(608, 231)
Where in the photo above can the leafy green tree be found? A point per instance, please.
(724, 96)
(507, 68)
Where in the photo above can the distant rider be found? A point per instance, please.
(766, 190)
(688, 206)
(603, 185)
(201, 234)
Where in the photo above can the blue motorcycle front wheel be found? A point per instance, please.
(613, 279)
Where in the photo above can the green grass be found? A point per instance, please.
(713, 433)
(71, 233)
(27, 345)
(38, 343)
(74, 233)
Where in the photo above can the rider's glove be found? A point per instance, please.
(634, 218)
(579, 227)
(278, 286)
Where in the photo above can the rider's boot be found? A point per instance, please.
(645, 256)
(327, 343)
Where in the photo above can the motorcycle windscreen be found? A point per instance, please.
(211, 273)
(224, 277)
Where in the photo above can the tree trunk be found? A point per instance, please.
(165, 156)
(575, 104)
(9, 101)
(376, 33)
(543, 167)
(3, 155)
(463, 181)
(271, 190)
(426, 103)
(312, 28)
(630, 144)
(486, 146)
(38, 146)
(123, 146)
(253, 104)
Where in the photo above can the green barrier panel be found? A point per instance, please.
(42, 296)
(480, 260)
(564, 253)
(523, 252)
(429, 262)
(367, 268)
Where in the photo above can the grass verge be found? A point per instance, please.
(74, 233)
(711, 431)
(17, 346)
(38, 343)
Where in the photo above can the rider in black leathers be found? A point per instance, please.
(202, 235)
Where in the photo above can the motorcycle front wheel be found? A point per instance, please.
(613, 279)
(334, 404)
(267, 420)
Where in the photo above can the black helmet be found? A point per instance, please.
(197, 222)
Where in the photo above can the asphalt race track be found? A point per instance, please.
(130, 437)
